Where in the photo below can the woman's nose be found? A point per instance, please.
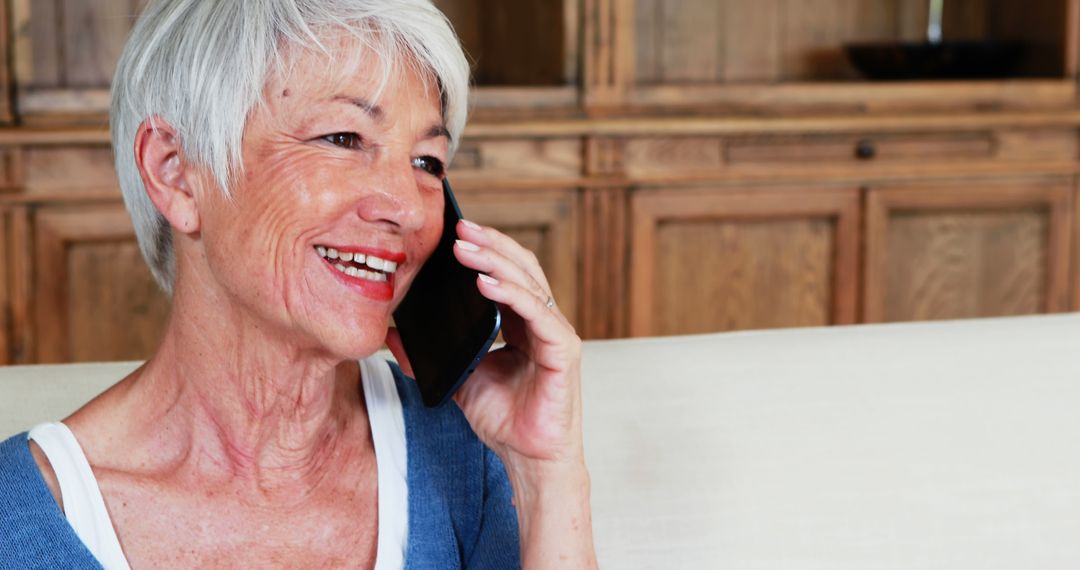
(393, 198)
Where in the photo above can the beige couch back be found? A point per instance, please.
(947, 445)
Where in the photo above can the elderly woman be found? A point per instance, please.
(250, 138)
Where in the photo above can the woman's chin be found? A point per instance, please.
(356, 347)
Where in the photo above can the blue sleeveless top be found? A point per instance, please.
(460, 514)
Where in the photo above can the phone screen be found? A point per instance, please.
(446, 325)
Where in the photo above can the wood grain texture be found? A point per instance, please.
(21, 293)
(1074, 274)
(965, 264)
(706, 261)
(520, 43)
(1071, 59)
(58, 233)
(719, 276)
(465, 15)
(720, 156)
(830, 98)
(73, 169)
(1036, 144)
(691, 46)
(751, 41)
(37, 45)
(646, 156)
(604, 266)
(115, 310)
(94, 34)
(6, 113)
(971, 250)
(520, 157)
(6, 325)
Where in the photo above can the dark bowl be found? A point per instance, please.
(984, 59)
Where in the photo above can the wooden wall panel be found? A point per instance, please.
(815, 31)
(37, 43)
(729, 275)
(6, 325)
(706, 261)
(518, 158)
(966, 264)
(513, 43)
(647, 41)
(604, 262)
(116, 310)
(20, 275)
(692, 49)
(93, 35)
(94, 298)
(683, 42)
(714, 41)
(967, 251)
(68, 169)
(70, 43)
(751, 41)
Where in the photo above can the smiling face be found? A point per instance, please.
(340, 203)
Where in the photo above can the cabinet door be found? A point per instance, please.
(967, 249)
(546, 223)
(93, 296)
(706, 261)
(65, 52)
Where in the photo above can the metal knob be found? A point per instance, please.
(865, 149)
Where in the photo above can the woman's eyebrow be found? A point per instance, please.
(439, 131)
(375, 111)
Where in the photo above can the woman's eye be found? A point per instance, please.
(351, 141)
(430, 164)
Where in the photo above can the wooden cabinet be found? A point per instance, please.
(93, 296)
(65, 53)
(782, 54)
(677, 166)
(974, 248)
(715, 260)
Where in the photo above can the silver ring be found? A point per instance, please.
(550, 303)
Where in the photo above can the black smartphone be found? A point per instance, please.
(446, 325)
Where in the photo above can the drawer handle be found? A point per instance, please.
(865, 150)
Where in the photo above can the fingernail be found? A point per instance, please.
(471, 225)
(489, 279)
(467, 245)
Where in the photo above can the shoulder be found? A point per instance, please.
(33, 531)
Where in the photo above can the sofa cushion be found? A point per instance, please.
(931, 445)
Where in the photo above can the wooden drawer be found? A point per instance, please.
(855, 148)
(518, 158)
(652, 156)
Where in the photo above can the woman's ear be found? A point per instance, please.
(166, 175)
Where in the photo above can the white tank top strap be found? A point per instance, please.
(83, 505)
(387, 421)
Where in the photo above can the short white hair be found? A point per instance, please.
(202, 66)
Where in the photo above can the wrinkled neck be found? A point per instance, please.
(255, 406)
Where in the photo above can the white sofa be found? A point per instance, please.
(946, 445)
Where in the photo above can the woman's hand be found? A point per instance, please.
(524, 401)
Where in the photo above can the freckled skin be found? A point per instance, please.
(244, 442)
(299, 191)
